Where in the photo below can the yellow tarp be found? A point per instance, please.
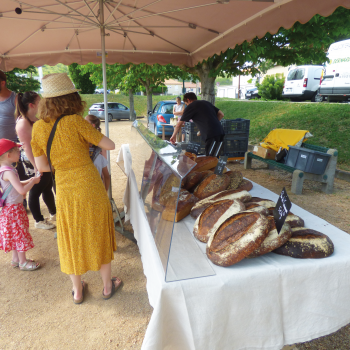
(282, 138)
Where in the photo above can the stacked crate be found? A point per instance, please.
(236, 137)
(235, 141)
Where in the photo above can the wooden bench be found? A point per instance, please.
(327, 178)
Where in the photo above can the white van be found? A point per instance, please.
(302, 83)
(335, 84)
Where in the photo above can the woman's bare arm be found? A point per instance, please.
(106, 143)
(42, 164)
(24, 132)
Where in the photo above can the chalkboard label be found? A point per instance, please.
(220, 167)
(282, 209)
(193, 148)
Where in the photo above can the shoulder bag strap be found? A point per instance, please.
(6, 193)
(48, 147)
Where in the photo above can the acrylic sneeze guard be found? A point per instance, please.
(155, 162)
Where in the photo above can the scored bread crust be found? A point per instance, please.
(236, 179)
(236, 238)
(306, 243)
(211, 185)
(213, 216)
(262, 201)
(193, 179)
(274, 239)
(245, 185)
(243, 196)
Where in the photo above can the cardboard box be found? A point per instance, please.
(264, 152)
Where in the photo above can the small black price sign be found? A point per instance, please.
(193, 148)
(220, 167)
(282, 209)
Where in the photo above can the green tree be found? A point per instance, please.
(58, 68)
(227, 80)
(301, 44)
(20, 80)
(272, 86)
(81, 80)
(135, 75)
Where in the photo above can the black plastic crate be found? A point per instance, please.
(191, 136)
(235, 146)
(236, 126)
(307, 160)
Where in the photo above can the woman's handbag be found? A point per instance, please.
(48, 148)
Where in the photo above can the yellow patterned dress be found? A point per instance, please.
(85, 227)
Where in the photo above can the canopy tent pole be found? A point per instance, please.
(121, 215)
(104, 78)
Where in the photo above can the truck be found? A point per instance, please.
(335, 83)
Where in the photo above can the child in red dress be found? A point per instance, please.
(14, 223)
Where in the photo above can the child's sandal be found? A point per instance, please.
(29, 265)
(15, 264)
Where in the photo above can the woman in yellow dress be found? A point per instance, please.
(85, 227)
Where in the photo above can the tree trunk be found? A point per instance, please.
(207, 84)
(131, 103)
(149, 98)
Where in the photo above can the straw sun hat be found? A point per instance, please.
(57, 84)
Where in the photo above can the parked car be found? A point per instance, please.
(302, 83)
(335, 85)
(161, 114)
(100, 91)
(252, 93)
(115, 111)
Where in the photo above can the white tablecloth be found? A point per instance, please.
(261, 303)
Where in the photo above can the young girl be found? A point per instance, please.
(100, 161)
(14, 224)
(26, 110)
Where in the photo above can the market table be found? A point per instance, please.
(261, 303)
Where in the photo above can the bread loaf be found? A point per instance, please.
(186, 201)
(156, 193)
(211, 185)
(205, 163)
(245, 185)
(213, 216)
(237, 238)
(193, 179)
(307, 244)
(191, 156)
(166, 192)
(294, 221)
(243, 196)
(254, 207)
(262, 201)
(273, 239)
(236, 179)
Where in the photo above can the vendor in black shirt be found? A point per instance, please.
(207, 118)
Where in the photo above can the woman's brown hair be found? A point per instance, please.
(96, 122)
(23, 101)
(52, 108)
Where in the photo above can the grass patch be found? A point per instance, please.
(328, 122)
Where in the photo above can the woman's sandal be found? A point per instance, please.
(79, 301)
(29, 265)
(114, 288)
(15, 264)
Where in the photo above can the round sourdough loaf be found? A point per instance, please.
(211, 185)
(243, 196)
(213, 216)
(262, 201)
(253, 207)
(237, 238)
(291, 219)
(205, 163)
(192, 180)
(273, 239)
(307, 244)
(245, 185)
(236, 179)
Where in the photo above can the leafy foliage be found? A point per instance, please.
(58, 68)
(272, 86)
(18, 80)
(81, 80)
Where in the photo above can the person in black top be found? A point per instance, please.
(207, 118)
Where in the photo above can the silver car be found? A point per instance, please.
(115, 111)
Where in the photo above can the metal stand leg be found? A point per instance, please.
(119, 218)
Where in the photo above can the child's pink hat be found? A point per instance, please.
(6, 145)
